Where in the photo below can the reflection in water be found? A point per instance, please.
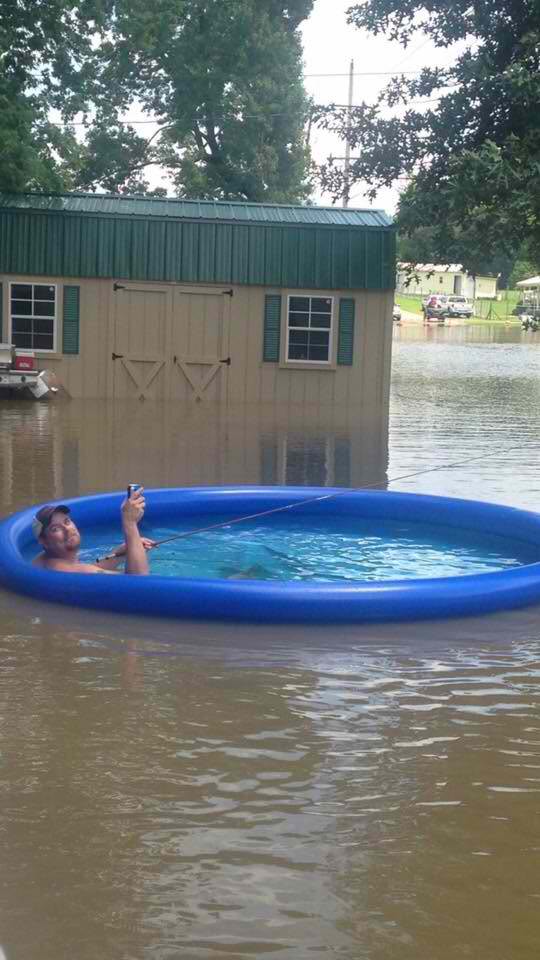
(81, 447)
(197, 790)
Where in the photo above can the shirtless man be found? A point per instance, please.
(61, 540)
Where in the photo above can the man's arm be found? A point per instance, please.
(118, 555)
(132, 513)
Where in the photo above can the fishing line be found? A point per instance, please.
(327, 496)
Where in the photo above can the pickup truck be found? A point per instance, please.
(18, 372)
(459, 307)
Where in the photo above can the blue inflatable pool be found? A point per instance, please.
(283, 601)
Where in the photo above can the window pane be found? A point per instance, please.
(21, 291)
(22, 339)
(44, 293)
(320, 320)
(46, 325)
(299, 303)
(318, 339)
(297, 352)
(42, 308)
(21, 325)
(23, 307)
(299, 336)
(321, 305)
(299, 319)
(42, 342)
(318, 353)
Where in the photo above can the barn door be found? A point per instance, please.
(140, 342)
(199, 345)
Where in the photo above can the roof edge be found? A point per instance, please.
(178, 208)
(145, 198)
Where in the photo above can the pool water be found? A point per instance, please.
(338, 549)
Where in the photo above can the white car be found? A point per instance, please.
(459, 307)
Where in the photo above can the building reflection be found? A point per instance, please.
(55, 451)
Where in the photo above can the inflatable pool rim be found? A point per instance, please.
(278, 601)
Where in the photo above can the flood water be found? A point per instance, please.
(197, 791)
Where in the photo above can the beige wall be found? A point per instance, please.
(171, 337)
(486, 287)
(442, 282)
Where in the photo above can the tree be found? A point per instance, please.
(466, 139)
(524, 267)
(417, 247)
(223, 78)
(45, 50)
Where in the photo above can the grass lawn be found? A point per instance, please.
(498, 309)
(410, 303)
(492, 311)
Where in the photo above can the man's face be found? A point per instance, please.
(61, 537)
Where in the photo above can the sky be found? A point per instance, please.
(330, 43)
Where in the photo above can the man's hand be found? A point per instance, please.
(132, 513)
(133, 508)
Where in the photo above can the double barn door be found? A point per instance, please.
(170, 343)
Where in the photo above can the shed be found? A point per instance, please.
(143, 297)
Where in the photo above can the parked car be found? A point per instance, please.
(435, 307)
(396, 313)
(459, 307)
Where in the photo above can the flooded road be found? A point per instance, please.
(175, 790)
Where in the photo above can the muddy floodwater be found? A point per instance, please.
(198, 791)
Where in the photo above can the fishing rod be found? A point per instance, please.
(319, 499)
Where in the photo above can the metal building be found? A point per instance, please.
(128, 297)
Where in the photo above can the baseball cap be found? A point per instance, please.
(43, 517)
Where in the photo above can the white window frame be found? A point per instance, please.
(54, 318)
(329, 330)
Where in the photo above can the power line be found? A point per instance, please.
(254, 116)
(416, 50)
(367, 73)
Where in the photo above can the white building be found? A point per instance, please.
(444, 278)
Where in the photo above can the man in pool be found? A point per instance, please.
(61, 540)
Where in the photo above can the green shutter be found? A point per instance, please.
(70, 334)
(346, 332)
(272, 328)
(1, 311)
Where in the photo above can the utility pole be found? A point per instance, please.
(347, 186)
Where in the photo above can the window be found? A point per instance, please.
(309, 327)
(33, 315)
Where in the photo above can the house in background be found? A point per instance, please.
(447, 279)
(143, 297)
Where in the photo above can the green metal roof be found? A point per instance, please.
(189, 241)
(202, 210)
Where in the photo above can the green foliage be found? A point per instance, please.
(45, 49)
(224, 81)
(222, 78)
(418, 247)
(523, 269)
(466, 140)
